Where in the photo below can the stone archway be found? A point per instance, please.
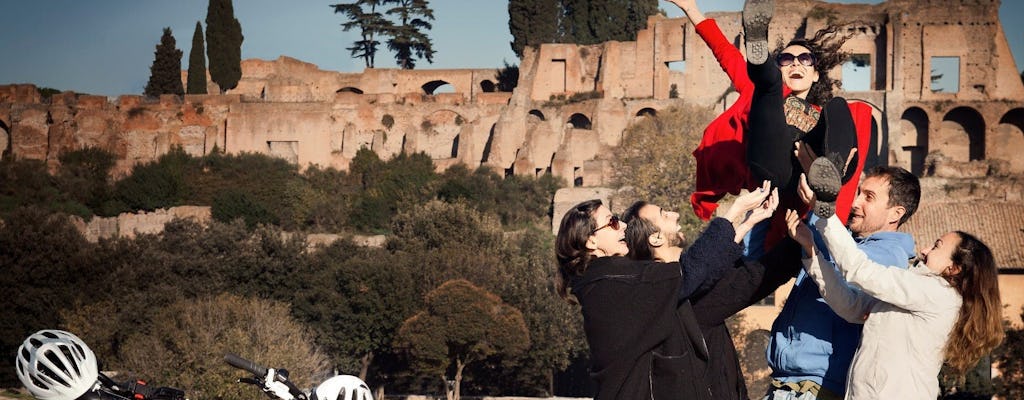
(647, 112)
(487, 86)
(350, 89)
(1007, 139)
(913, 139)
(580, 121)
(436, 87)
(961, 136)
(537, 114)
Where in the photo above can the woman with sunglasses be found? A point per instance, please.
(779, 103)
(645, 342)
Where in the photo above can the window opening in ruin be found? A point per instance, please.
(350, 89)
(647, 112)
(857, 73)
(559, 80)
(537, 113)
(577, 174)
(945, 74)
(437, 87)
(676, 66)
(455, 146)
(579, 121)
(487, 86)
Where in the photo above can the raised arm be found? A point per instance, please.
(690, 8)
(847, 302)
(718, 248)
(747, 283)
(727, 55)
(902, 288)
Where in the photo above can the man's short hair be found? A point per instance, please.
(904, 188)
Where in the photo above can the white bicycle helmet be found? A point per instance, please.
(56, 365)
(342, 387)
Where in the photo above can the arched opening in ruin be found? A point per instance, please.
(1008, 139)
(441, 134)
(487, 145)
(962, 135)
(487, 86)
(647, 112)
(350, 89)
(537, 113)
(438, 87)
(580, 121)
(914, 139)
(577, 176)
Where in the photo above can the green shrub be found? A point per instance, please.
(233, 203)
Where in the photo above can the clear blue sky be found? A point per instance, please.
(106, 46)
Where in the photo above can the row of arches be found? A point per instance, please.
(961, 135)
(433, 87)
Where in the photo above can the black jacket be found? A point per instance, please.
(742, 286)
(644, 342)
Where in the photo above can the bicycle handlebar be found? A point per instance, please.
(261, 373)
(241, 363)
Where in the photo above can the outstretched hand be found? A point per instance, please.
(764, 210)
(799, 231)
(748, 201)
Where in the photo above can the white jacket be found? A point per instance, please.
(901, 350)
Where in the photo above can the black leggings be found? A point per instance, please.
(770, 139)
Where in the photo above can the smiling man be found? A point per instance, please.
(653, 233)
(811, 347)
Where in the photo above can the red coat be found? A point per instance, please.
(721, 156)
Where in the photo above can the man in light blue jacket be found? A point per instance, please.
(811, 347)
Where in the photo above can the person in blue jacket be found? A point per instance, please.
(811, 347)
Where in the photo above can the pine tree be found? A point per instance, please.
(165, 74)
(363, 14)
(224, 41)
(533, 22)
(197, 63)
(408, 39)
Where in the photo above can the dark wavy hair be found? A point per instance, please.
(638, 231)
(979, 327)
(825, 47)
(571, 244)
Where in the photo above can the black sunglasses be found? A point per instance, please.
(613, 223)
(787, 59)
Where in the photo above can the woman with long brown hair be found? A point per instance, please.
(944, 308)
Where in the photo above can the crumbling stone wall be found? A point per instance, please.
(571, 106)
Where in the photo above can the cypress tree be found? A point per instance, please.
(224, 41)
(533, 22)
(197, 63)
(165, 74)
